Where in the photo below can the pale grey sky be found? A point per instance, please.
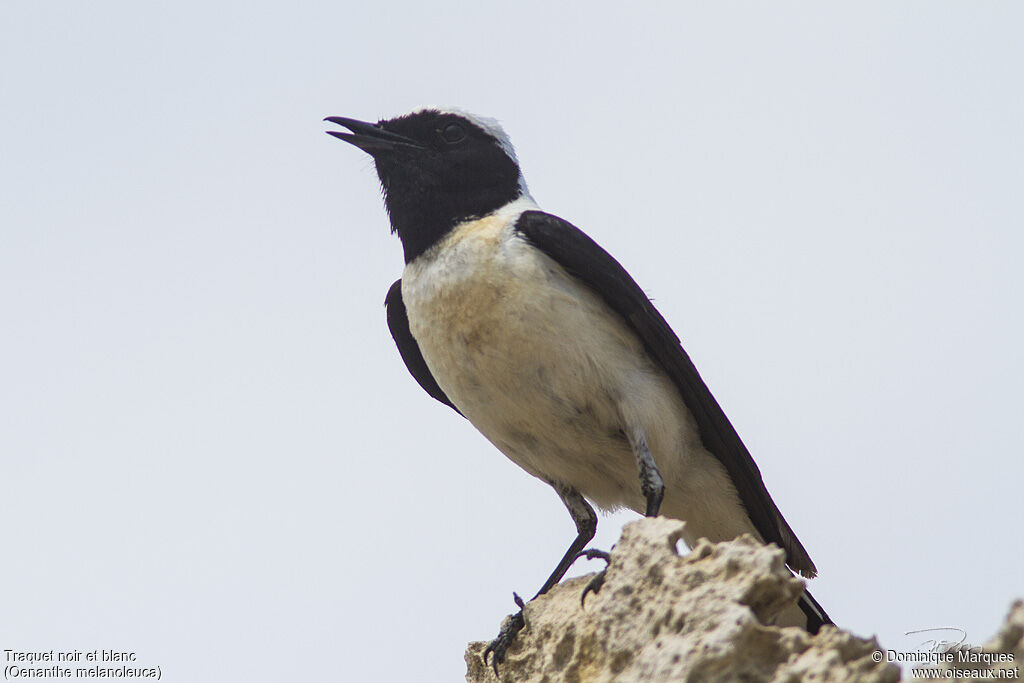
(211, 452)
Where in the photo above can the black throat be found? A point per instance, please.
(422, 218)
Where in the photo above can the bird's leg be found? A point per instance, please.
(651, 483)
(653, 488)
(586, 526)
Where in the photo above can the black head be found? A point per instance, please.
(437, 168)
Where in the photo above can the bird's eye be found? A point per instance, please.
(453, 133)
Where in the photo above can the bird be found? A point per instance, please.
(524, 325)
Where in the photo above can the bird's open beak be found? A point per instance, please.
(370, 137)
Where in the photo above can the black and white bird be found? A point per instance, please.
(524, 325)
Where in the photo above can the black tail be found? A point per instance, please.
(816, 616)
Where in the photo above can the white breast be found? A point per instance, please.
(490, 314)
(549, 374)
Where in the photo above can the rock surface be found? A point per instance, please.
(703, 616)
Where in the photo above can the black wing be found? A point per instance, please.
(398, 323)
(583, 258)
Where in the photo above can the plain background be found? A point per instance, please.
(211, 452)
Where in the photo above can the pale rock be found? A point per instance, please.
(703, 616)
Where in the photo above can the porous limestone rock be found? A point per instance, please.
(703, 616)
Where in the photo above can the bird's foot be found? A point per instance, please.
(509, 630)
(595, 583)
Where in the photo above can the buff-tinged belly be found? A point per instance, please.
(511, 339)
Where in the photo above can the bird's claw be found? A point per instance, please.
(595, 583)
(509, 630)
(593, 587)
(594, 554)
